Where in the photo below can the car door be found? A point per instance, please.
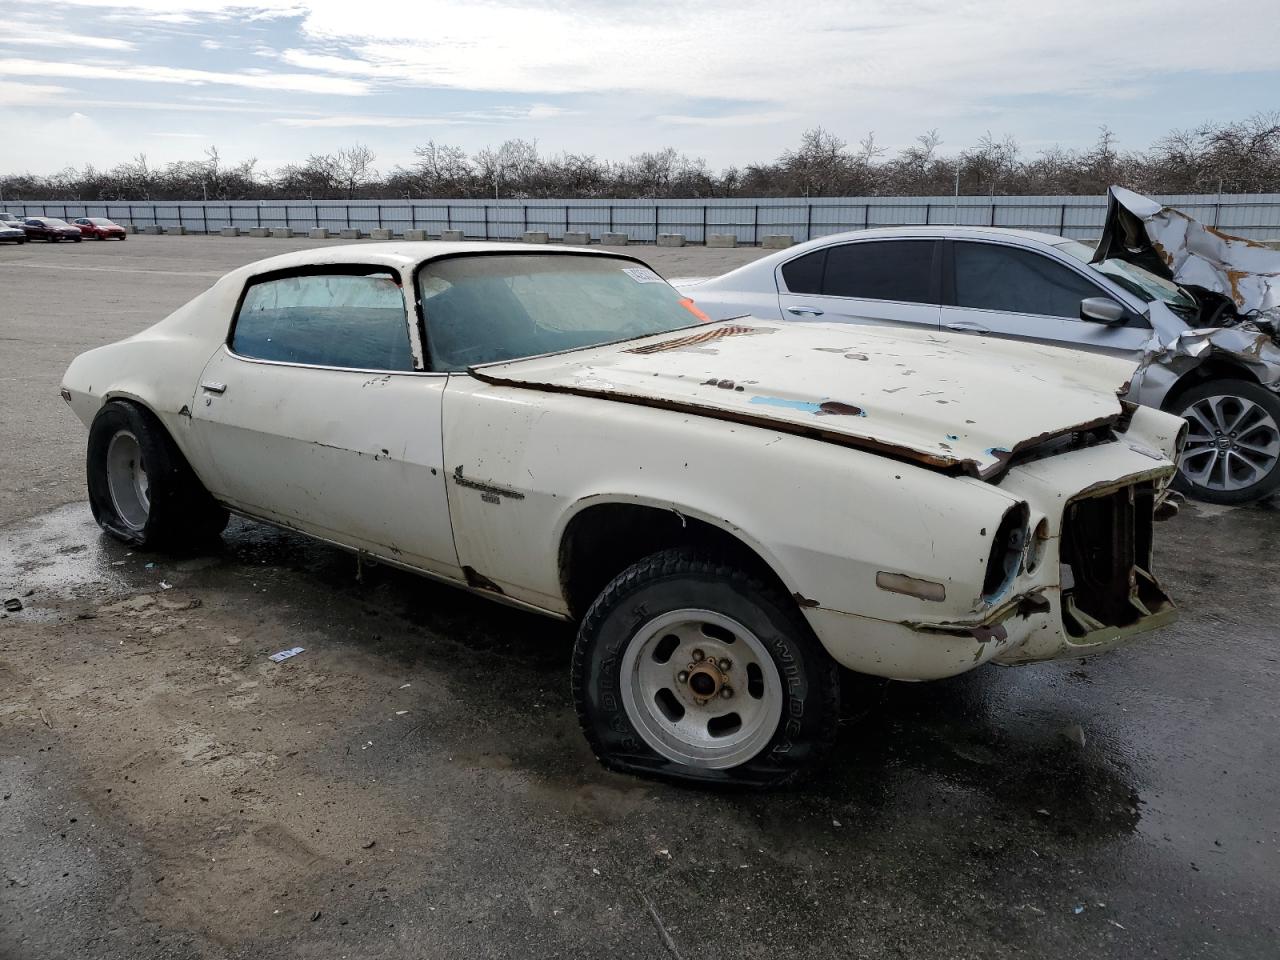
(891, 281)
(1011, 291)
(316, 414)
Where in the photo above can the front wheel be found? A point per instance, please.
(1232, 453)
(141, 489)
(691, 668)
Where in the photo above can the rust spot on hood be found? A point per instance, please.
(704, 336)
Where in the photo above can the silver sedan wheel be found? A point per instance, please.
(127, 481)
(1232, 444)
(701, 689)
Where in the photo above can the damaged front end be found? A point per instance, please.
(1234, 284)
(1234, 280)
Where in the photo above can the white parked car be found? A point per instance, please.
(1195, 358)
(731, 511)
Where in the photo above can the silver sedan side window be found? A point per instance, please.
(991, 276)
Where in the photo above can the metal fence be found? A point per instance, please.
(1256, 216)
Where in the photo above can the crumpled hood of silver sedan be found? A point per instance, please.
(1173, 245)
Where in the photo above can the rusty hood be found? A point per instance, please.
(955, 403)
(1172, 245)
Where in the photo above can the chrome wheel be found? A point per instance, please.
(701, 689)
(127, 480)
(1232, 444)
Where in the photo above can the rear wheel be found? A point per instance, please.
(141, 489)
(690, 668)
(1233, 444)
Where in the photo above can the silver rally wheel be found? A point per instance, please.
(701, 689)
(127, 480)
(1233, 443)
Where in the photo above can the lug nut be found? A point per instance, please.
(725, 665)
(682, 676)
(726, 692)
(698, 655)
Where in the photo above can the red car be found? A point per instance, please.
(100, 228)
(51, 229)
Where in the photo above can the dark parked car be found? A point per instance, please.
(100, 228)
(51, 229)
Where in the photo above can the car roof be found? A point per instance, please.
(939, 230)
(401, 254)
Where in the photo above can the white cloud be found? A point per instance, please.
(27, 33)
(28, 94)
(729, 119)
(539, 111)
(180, 136)
(211, 44)
(260, 80)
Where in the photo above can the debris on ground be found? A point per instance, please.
(286, 654)
(13, 605)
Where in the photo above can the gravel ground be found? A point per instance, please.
(414, 784)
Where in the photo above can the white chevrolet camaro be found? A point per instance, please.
(730, 511)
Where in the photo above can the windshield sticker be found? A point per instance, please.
(642, 275)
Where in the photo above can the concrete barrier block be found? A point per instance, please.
(722, 240)
(176, 231)
(130, 228)
(154, 229)
(318, 233)
(350, 233)
(452, 236)
(259, 232)
(577, 238)
(282, 233)
(380, 233)
(777, 241)
(415, 234)
(614, 239)
(535, 236)
(230, 231)
(671, 239)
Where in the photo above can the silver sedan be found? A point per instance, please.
(1036, 286)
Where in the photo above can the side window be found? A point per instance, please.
(993, 277)
(332, 320)
(881, 270)
(804, 274)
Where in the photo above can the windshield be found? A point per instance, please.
(53, 222)
(1141, 283)
(488, 308)
(101, 222)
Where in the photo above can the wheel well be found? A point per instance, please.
(1209, 370)
(603, 540)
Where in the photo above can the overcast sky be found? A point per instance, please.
(97, 81)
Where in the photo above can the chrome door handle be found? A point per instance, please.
(212, 386)
(805, 311)
(968, 326)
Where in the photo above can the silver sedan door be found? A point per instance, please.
(866, 281)
(1010, 291)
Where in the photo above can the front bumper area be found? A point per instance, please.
(1089, 590)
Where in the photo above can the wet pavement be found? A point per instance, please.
(414, 784)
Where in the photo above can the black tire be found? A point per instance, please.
(77, 239)
(179, 513)
(680, 579)
(1213, 488)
